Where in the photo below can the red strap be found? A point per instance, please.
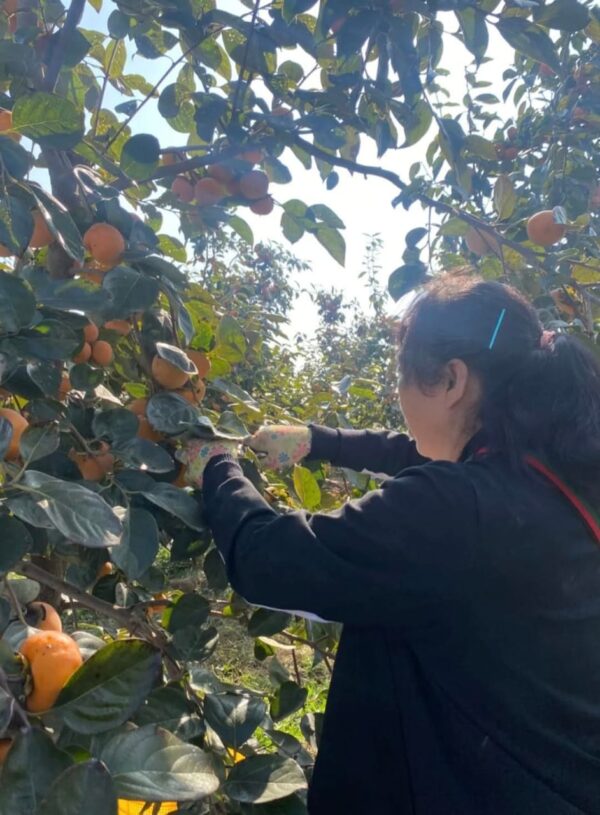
(587, 516)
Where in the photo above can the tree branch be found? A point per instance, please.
(439, 206)
(129, 618)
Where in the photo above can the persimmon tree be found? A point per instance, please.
(119, 341)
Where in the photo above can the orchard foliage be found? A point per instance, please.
(114, 351)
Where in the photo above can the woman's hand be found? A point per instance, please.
(197, 453)
(280, 445)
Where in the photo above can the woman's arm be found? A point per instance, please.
(383, 451)
(393, 557)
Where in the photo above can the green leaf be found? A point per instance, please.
(230, 338)
(49, 120)
(16, 542)
(61, 224)
(151, 764)
(105, 691)
(16, 224)
(417, 124)
(170, 708)
(190, 610)
(307, 488)
(80, 514)
(17, 304)
(139, 544)
(292, 228)
(405, 278)
(86, 787)
(234, 718)
(177, 502)
(474, 31)
(115, 57)
(288, 698)
(505, 197)
(478, 146)
(328, 216)
(85, 378)
(235, 392)
(143, 454)
(260, 779)
(566, 15)
(29, 510)
(241, 227)
(140, 156)
(15, 158)
(31, 767)
(170, 413)
(333, 241)
(131, 291)
(46, 377)
(37, 442)
(266, 622)
(529, 39)
(116, 425)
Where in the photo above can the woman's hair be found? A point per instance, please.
(541, 392)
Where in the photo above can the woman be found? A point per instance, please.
(468, 675)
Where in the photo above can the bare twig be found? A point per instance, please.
(154, 88)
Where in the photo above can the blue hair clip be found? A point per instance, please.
(497, 329)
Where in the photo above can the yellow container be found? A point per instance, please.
(137, 808)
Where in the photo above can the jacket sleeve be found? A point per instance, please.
(383, 452)
(397, 555)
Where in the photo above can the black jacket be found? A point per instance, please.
(468, 675)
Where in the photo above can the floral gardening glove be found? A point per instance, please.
(199, 452)
(280, 445)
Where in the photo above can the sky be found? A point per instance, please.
(364, 204)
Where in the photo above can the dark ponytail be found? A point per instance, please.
(541, 391)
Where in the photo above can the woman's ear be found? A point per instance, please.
(457, 381)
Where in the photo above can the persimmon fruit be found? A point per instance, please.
(105, 243)
(543, 229)
(83, 354)
(220, 172)
(263, 206)
(168, 375)
(182, 189)
(102, 353)
(105, 570)
(200, 360)
(254, 185)
(6, 120)
(19, 425)
(47, 617)
(53, 658)
(208, 191)
(41, 235)
(138, 406)
(5, 745)
(146, 431)
(193, 394)
(91, 332)
(252, 156)
(122, 327)
(94, 466)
